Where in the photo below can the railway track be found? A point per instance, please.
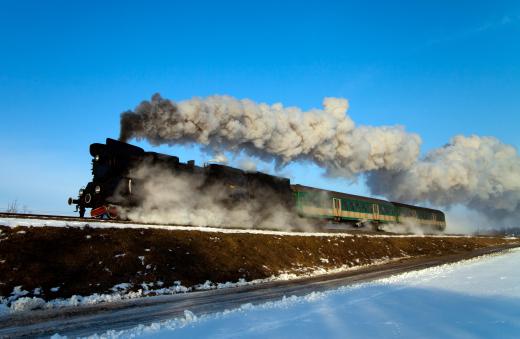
(347, 229)
(43, 216)
(78, 219)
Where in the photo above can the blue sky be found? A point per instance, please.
(68, 69)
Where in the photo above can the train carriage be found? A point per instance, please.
(428, 218)
(317, 203)
(323, 204)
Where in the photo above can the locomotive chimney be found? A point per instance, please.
(191, 163)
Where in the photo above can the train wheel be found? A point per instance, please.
(111, 212)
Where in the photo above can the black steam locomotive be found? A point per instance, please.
(115, 187)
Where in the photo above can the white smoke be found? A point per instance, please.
(326, 136)
(479, 172)
(247, 165)
(460, 220)
(407, 227)
(220, 158)
(185, 199)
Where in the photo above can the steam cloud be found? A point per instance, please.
(480, 172)
(328, 136)
(167, 197)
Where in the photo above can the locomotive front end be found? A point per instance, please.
(110, 165)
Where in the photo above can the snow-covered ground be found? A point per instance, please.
(13, 222)
(478, 298)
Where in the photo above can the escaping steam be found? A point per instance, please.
(480, 172)
(185, 199)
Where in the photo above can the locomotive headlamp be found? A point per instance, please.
(97, 189)
(81, 191)
(96, 157)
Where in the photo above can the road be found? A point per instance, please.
(87, 320)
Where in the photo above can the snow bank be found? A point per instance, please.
(477, 298)
(18, 303)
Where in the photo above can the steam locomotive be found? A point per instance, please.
(114, 188)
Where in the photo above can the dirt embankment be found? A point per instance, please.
(61, 262)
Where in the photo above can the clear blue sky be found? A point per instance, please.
(67, 70)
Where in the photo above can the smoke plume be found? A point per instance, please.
(325, 136)
(480, 172)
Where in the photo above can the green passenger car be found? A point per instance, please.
(322, 204)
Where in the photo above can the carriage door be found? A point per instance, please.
(336, 207)
(375, 208)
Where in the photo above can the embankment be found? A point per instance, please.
(58, 262)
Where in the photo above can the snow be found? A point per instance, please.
(26, 304)
(477, 298)
(121, 287)
(18, 303)
(18, 292)
(122, 291)
(13, 222)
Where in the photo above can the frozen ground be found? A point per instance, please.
(478, 298)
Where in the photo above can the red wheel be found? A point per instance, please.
(112, 212)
